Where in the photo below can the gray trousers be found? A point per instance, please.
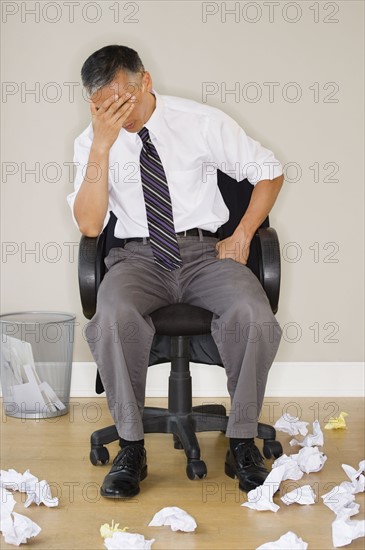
(120, 333)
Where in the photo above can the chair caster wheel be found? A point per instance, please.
(177, 442)
(272, 448)
(196, 469)
(99, 455)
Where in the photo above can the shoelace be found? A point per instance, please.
(126, 457)
(248, 455)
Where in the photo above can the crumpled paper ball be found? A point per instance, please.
(337, 423)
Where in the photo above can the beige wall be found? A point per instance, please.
(309, 49)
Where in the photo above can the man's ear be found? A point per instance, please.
(146, 82)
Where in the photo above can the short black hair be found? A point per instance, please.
(101, 67)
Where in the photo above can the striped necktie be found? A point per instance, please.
(158, 206)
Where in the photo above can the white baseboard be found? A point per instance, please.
(285, 380)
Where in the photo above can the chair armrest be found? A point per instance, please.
(91, 269)
(269, 261)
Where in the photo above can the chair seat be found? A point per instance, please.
(182, 320)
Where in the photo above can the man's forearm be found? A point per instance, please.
(262, 200)
(92, 200)
(237, 246)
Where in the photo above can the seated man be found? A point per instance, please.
(148, 158)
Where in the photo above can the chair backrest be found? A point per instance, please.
(235, 194)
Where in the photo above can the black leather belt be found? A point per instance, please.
(188, 233)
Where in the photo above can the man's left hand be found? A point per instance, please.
(236, 247)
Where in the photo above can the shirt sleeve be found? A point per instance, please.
(82, 146)
(238, 155)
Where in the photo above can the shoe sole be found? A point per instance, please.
(121, 496)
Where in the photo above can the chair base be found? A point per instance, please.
(183, 427)
(182, 419)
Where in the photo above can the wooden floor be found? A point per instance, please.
(58, 450)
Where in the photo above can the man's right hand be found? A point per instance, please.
(91, 203)
(108, 119)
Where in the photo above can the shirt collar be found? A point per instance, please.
(154, 123)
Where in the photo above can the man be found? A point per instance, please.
(148, 158)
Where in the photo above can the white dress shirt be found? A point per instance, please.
(193, 141)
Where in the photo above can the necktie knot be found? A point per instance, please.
(144, 135)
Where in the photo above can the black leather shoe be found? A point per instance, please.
(247, 464)
(129, 468)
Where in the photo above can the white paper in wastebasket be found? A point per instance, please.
(175, 517)
(28, 393)
(14, 354)
(289, 541)
(35, 393)
(52, 397)
(19, 366)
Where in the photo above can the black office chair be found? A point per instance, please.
(183, 334)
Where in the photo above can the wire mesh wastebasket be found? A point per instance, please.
(36, 363)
